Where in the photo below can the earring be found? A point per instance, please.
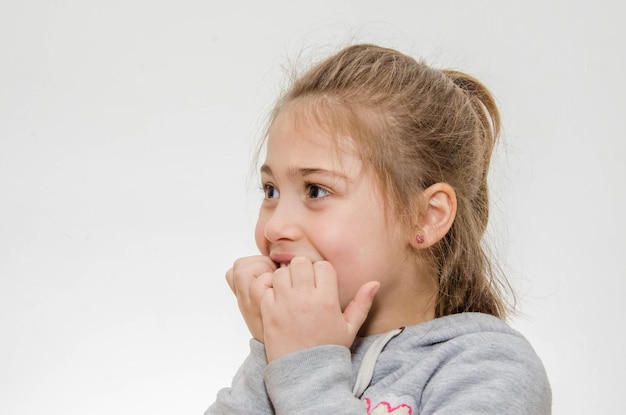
(419, 239)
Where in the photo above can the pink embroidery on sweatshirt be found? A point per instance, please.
(383, 408)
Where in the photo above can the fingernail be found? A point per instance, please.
(374, 289)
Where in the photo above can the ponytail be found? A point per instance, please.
(468, 280)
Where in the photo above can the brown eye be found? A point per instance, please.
(270, 191)
(315, 192)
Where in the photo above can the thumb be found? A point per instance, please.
(356, 312)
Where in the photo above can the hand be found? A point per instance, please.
(302, 309)
(249, 278)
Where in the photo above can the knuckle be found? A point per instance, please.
(239, 262)
(299, 260)
(281, 272)
(323, 266)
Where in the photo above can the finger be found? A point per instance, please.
(254, 265)
(267, 301)
(281, 281)
(356, 312)
(302, 273)
(260, 286)
(246, 270)
(326, 278)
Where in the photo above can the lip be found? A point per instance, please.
(281, 257)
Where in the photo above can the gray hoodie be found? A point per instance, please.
(467, 363)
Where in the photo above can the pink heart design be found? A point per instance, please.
(383, 408)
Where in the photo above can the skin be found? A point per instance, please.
(333, 264)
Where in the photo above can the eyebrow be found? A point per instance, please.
(306, 171)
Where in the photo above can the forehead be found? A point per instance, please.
(300, 138)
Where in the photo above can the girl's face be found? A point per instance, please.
(320, 203)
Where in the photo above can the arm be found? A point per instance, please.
(247, 394)
(313, 381)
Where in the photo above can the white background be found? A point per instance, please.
(126, 134)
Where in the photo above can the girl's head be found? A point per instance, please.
(379, 117)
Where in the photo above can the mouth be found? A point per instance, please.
(281, 259)
(281, 264)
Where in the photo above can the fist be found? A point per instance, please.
(249, 279)
(300, 308)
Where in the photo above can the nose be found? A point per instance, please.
(280, 222)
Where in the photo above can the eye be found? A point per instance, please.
(316, 192)
(270, 191)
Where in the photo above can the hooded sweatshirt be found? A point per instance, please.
(468, 363)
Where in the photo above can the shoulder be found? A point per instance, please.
(478, 339)
(469, 331)
(482, 366)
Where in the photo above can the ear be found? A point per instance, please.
(437, 207)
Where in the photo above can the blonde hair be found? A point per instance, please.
(415, 126)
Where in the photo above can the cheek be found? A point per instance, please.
(347, 287)
(351, 268)
(259, 236)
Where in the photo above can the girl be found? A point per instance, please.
(372, 293)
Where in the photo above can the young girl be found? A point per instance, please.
(372, 293)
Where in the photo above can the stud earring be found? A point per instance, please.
(419, 239)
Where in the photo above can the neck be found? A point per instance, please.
(406, 300)
(405, 311)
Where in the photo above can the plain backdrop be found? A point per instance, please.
(127, 190)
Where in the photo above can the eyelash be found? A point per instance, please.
(309, 186)
(268, 187)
